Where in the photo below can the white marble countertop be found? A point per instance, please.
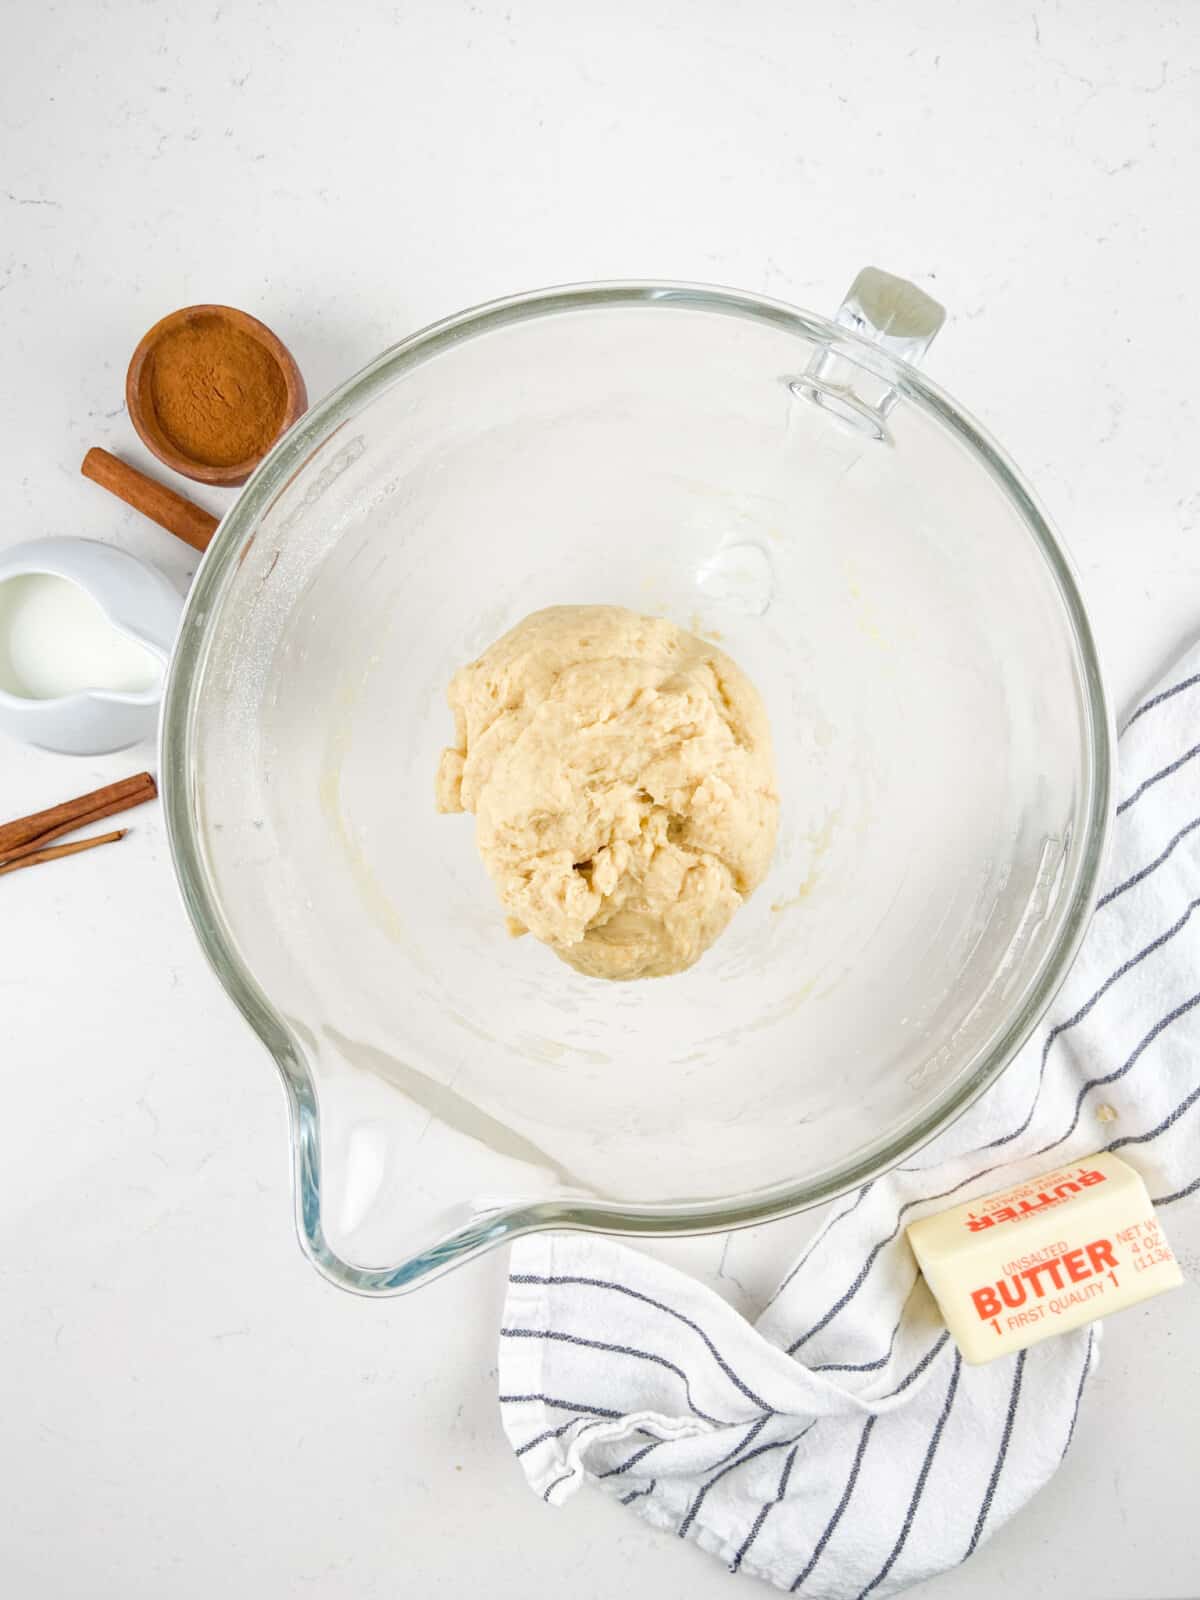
(186, 1404)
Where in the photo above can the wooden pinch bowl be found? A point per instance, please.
(139, 395)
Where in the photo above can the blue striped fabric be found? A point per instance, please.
(838, 1447)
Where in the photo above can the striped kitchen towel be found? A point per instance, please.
(839, 1447)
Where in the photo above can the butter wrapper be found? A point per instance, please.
(1045, 1256)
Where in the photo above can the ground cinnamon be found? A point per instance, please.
(217, 393)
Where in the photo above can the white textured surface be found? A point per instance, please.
(185, 1404)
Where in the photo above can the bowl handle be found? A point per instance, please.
(892, 313)
(889, 312)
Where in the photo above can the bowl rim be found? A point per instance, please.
(179, 791)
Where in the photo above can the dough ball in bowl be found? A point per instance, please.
(623, 783)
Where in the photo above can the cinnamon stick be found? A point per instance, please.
(28, 835)
(33, 857)
(183, 518)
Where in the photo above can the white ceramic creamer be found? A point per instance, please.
(86, 631)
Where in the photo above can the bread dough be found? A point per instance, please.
(623, 784)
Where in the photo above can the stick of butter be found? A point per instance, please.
(1016, 1267)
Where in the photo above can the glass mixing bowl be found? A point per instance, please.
(784, 483)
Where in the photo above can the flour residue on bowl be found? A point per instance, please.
(739, 574)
